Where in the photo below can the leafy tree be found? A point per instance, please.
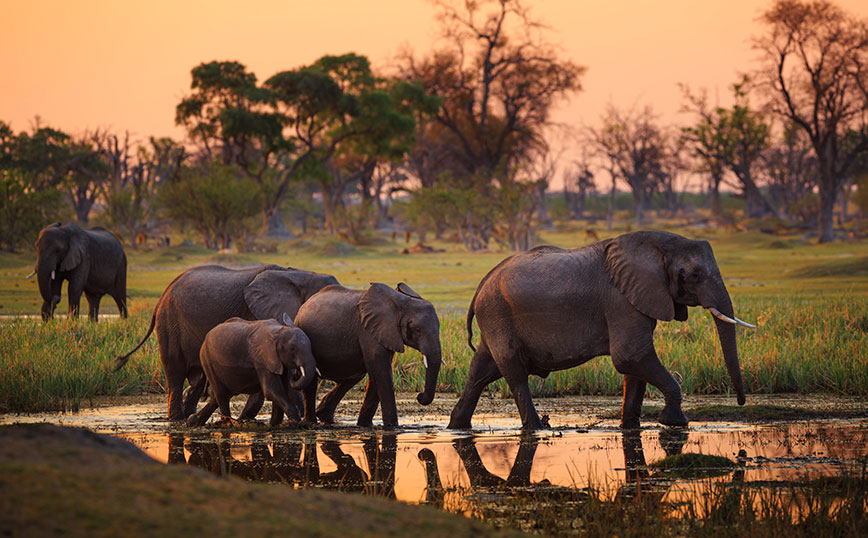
(214, 201)
(498, 80)
(24, 210)
(730, 139)
(815, 70)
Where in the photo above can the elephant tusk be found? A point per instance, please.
(52, 275)
(425, 361)
(745, 324)
(318, 373)
(28, 277)
(302, 370)
(723, 317)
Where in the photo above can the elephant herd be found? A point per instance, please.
(273, 332)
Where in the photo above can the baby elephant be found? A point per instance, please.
(246, 357)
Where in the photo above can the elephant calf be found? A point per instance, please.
(246, 357)
(357, 332)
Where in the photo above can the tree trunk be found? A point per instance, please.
(274, 225)
(826, 217)
(611, 205)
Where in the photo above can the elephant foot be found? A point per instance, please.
(326, 417)
(455, 424)
(672, 416)
(230, 422)
(366, 423)
(630, 424)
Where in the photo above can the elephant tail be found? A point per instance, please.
(122, 360)
(470, 324)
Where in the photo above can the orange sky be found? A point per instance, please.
(125, 65)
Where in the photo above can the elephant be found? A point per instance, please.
(92, 260)
(203, 297)
(245, 357)
(357, 332)
(549, 309)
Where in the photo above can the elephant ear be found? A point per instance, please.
(273, 293)
(635, 266)
(262, 343)
(74, 255)
(407, 290)
(380, 316)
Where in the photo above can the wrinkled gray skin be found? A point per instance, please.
(203, 297)
(249, 357)
(550, 309)
(357, 332)
(92, 260)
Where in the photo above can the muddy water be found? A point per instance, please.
(425, 463)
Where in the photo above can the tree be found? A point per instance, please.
(730, 139)
(815, 70)
(498, 80)
(634, 148)
(215, 201)
(791, 170)
(136, 174)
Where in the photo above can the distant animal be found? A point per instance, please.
(248, 357)
(92, 260)
(591, 234)
(549, 309)
(203, 297)
(358, 332)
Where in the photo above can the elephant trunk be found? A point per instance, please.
(307, 372)
(726, 333)
(46, 279)
(433, 361)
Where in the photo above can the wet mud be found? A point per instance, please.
(480, 472)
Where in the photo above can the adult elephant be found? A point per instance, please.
(92, 260)
(550, 309)
(202, 298)
(357, 332)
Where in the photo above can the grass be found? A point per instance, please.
(809, 301)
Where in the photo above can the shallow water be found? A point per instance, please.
(465, 472)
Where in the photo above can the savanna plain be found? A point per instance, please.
(792, 460)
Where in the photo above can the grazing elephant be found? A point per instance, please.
(550, 309)
(246, 357)
(202, 298)
(357, 332)
(93, 261)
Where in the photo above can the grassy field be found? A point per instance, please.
(810, 302)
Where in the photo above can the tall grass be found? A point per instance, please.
(802, 344)
(55, 366)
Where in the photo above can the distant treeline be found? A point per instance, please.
(460, 139)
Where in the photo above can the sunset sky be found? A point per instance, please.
(124, 65)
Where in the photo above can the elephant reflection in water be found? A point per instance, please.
(638, 480)
(296, 463)
(481, 478)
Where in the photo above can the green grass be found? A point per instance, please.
(810, 303)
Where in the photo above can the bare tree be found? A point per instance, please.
(633, 147)
(815, 69)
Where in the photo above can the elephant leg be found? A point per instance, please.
(279, 399)
(381, 364)
(369, 405)
(74, 300)
(518, 385)
(121, 302)
(173, 366)
(325, 411)
(253, 405)
(650, 370)
(482, 371)
(92, 305)
(197, 380)
(631, 409)
(202, 416)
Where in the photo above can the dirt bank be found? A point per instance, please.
(60, 481)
